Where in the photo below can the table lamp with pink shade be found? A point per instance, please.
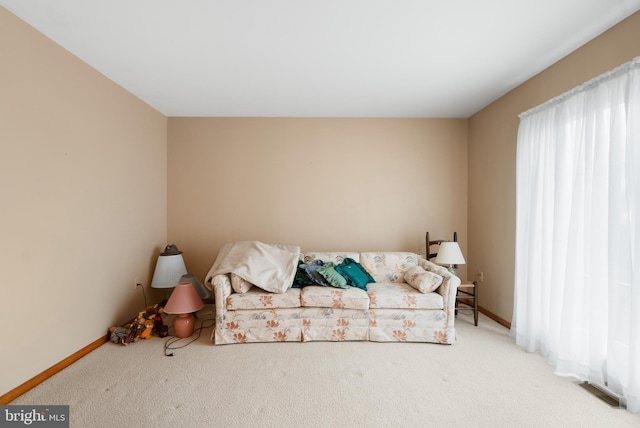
(183, 302)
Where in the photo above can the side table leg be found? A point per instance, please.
(475, 303)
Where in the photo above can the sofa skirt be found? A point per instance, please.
(292, 325)
(401, 333)
(410, 325)
(333, 324)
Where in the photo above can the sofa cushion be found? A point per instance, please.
(401, 296)
(355, 273)
(330, 297)
(336, 257)
(388, 266)
(328, 271)
(422, 280)
(256, 298)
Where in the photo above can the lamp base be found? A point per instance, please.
(453, 270)
(183, 325)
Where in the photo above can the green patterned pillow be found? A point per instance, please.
(356, 275)
(328, 271)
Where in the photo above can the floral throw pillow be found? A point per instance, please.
(422, 280)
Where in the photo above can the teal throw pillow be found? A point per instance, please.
(328, 270)
(356, 275)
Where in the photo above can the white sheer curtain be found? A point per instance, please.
(577, 280)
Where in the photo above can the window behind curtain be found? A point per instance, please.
(577, 279)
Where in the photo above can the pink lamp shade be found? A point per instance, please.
(183, 301)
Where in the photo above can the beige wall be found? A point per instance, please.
(492, 154)
(323, 184)
(83, 191)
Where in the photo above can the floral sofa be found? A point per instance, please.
(390, 310)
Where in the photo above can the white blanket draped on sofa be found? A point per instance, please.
(270, 267)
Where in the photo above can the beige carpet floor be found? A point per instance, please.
(484, 380)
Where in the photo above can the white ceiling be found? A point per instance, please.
(324, 58)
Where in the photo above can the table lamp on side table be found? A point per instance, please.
(183, 302)
(450, 254)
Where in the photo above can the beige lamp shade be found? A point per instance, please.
(449, 253)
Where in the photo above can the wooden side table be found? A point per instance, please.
(467, 298)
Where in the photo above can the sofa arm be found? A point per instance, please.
(221, 290)
(447, 289)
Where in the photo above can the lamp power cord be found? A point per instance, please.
(169, 343)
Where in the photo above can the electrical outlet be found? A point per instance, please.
(480, 276)
(136, 283)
